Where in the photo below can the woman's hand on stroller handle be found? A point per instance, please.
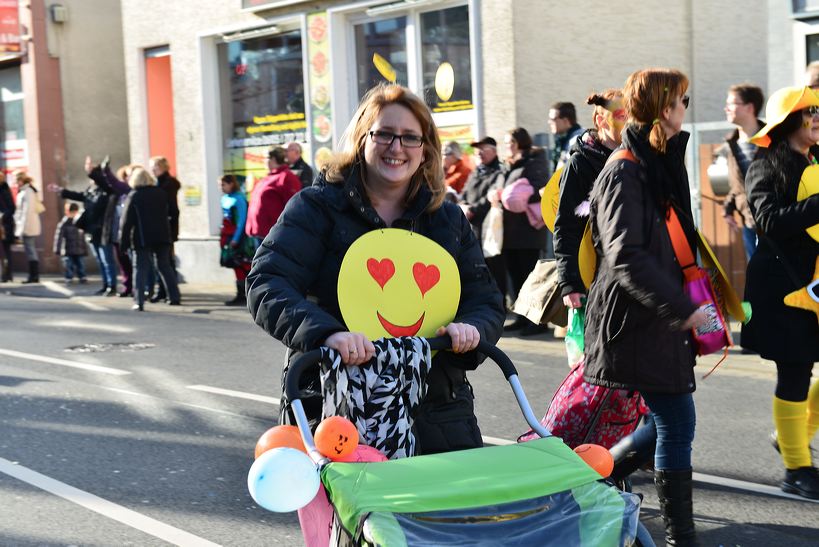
(464, 337)
(354, 347)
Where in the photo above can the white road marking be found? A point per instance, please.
(63, 362)
(748, 486)
(495, 440)
(85, 325)
(237, 394)
(103, 507)
(89, 305)
(54, 287)
(199, 407)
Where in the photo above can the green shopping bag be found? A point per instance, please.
(575, 345)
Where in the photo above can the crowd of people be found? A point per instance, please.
(623, 179)
(392, 171)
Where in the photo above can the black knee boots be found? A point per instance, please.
(676, 507)
(240, 299)
(33, 272)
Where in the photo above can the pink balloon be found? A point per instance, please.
(364, 453)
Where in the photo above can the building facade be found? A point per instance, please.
(62, 94)
(214, 83)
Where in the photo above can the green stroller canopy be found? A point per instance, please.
(467, 479)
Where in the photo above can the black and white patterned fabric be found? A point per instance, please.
(379, 397)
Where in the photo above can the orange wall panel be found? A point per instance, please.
(159, 94)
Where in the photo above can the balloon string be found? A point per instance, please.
(724, 355)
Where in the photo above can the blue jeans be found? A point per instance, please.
(74, 265)
(749, 240)
(675, 418)
(107, 263)
(30, 246)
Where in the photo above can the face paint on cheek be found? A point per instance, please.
(807, 124)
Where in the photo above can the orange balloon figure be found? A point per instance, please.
(596, 457)
(279, 436)
(336, 437)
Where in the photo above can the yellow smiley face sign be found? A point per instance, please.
(396, 283)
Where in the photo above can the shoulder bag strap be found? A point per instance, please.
(680, 243)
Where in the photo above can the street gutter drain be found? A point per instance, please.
(109, 346)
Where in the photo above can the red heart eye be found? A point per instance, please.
(381, 270)
(425, 276)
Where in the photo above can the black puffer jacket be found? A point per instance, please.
(292, 292)
(636, 303)
(171, 187)
(476, 189)
(776, 331)
(517, 232)
(144, 223)
(588, 156)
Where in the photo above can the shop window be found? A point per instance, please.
(445, 58)
(381, 53)
(262, 89)
(812, 47)
(11, 104)
(14, 149)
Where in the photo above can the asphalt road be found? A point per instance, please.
(125, 428)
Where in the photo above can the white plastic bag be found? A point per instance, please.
(492, 232)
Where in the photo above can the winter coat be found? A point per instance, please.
(68, 239)
(563, 144)
(7, 209)
(636, 303)
(303, 171)
(145, 222)
(268, 200)
(776, 331)
(26, 218)
(95, 203)
(517, 232)
(301, 257)
(588, 156)
(456, 175)
(171, 186)
(117, 190)
(736, 199)
(476, 190)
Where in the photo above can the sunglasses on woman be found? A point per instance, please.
(686, 100)
(811, 111)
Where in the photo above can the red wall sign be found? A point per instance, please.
(10, 26)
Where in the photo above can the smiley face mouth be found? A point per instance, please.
(397, 331)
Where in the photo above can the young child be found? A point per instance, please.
(69, 242)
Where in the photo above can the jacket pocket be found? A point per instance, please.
(615, 317)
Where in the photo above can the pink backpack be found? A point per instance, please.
(583, 413)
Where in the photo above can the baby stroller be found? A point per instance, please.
(534, 493)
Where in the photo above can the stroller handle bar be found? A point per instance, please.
(311, 358)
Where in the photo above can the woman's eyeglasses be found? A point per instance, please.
(407, 140)
(686, 100)
(811, 111)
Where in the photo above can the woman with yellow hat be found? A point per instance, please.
(785, 264)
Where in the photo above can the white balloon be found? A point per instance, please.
(283, 479)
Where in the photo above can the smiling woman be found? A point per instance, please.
(316, 283)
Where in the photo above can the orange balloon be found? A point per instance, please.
(336, 437)
(596, 457)
(279, 436)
